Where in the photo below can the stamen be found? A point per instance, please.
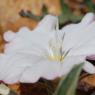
(66, 53)
(56, 48)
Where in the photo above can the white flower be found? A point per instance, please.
(47, 52)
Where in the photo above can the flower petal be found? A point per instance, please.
(71, 61)
(76, 39)
(42, 69)
(47, 24)
(51, 69)
(31, 74)
(91, 57)
(18, 40)
(88, 48)
(12, 66)
(88, 67)
(26, 38)
(87, 19)
(9, 35)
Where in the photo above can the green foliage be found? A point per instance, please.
(90, 5)
(68, 85)
(67, 15)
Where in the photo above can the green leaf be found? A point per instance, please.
(90, 5)
(68, 85)
(67, 15)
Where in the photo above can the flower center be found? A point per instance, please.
(56, 58)
(56, 52)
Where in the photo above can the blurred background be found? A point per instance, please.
(17, 13)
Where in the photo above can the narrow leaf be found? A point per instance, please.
(68, 85)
